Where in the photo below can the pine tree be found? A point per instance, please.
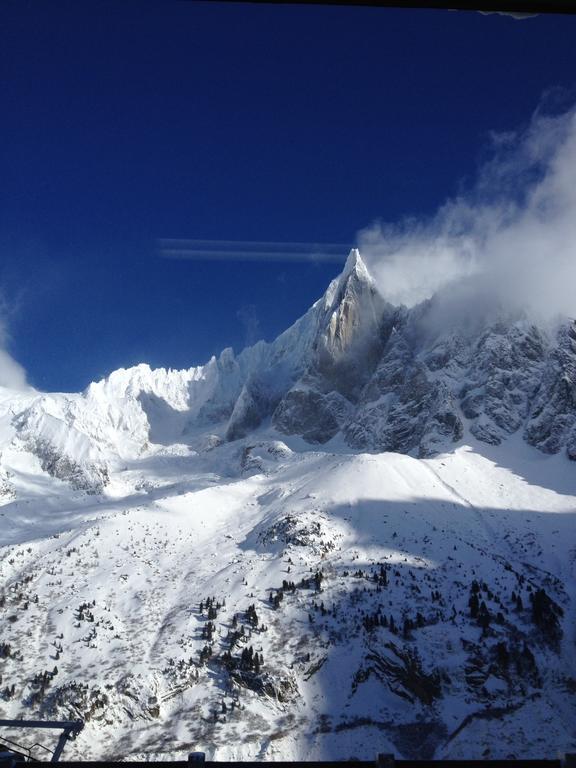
(484, 617)
(474, 605)
(502, 655)
(407, 628)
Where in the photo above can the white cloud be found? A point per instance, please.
(12, 374)
(514, 233)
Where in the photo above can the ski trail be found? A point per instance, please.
(489, 530)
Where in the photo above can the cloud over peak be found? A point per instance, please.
(514, 232)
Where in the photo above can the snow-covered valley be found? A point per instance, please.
(231, 559)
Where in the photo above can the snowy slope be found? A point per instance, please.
(184, 568)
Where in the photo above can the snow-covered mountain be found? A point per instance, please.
(357, 538)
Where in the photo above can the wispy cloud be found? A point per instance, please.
(12, 374)
(244, 250)
(250, 322)
(513, 234)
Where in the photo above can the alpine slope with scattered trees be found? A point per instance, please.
(357, 538)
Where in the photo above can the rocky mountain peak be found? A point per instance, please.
(385, 378)
(356, 266)
(355, 314)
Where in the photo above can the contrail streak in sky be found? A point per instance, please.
(245, 250)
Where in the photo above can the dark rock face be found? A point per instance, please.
(402, 409)
(552, 422)
(314, 416)
(249, 410)
(348, 349)
(508, 377)
(503, 378)
(392, 379)
(86, 476)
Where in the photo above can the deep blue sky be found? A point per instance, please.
(124, 122)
